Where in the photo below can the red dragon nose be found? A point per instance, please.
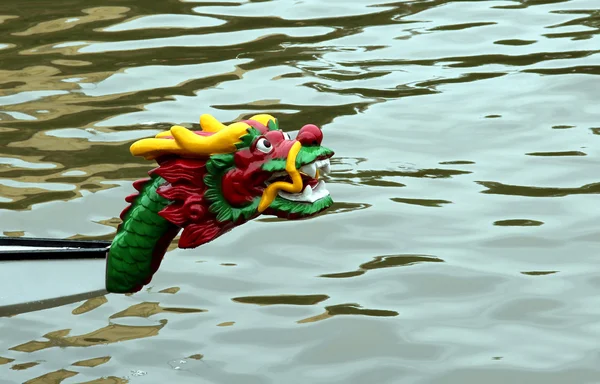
(310, 134)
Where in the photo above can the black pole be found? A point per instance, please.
(75, 249)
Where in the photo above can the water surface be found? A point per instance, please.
(463, 246)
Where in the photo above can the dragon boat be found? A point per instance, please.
(207, 182)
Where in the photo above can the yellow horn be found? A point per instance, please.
(210, 124)
(164, 134)
(189, 144)
(262, 118)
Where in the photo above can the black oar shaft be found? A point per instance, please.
(28, 248)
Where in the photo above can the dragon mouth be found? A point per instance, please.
(313, 188)
(309, 194)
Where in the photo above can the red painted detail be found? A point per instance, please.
(259, 126)
(309, 135)
(203, 133)
(139, 184)
(124, 211)
(176, 169)
(199, 233)
(246, 181)
(185, 210)
(189, 209)
(199, 133)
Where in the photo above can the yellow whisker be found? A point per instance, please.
(270, 193)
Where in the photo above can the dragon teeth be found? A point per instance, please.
(326, 169)
(309, 169)
(324, 166)
(307, 193)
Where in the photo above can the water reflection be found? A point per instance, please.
(92, 362)
(56, 376)
(348, 309)
(146, 310)
(113, 333)
(91, 15)
(531, 191)
(282, 299)
(386, 262)
(90, 305)
(455, 126)
(23, 366)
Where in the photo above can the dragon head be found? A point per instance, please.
(224, 175)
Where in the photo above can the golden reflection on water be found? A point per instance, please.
(52, 377)
(22, 191)
(282, 299)
(108, 380)
(51, 97)
(90, 305)
(421, 202)
(71, 63)
(34, 78)
(112, 333)
(53, 106)
(24, 366)
(171, 290)
(96, 361)
(13, 233)
(3, 18)
(347, 309)
(380, 262)
(226, 324)
(147, 309)
(330, 311)
(92, 15)
(54, 94)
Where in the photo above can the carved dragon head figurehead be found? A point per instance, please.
(225, 175)
(208, 182)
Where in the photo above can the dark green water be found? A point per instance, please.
(463, 247)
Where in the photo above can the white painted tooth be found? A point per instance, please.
(326, 167)
(309, 169)
(307, 193)
(319, 187)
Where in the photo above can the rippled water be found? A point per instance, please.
(463, 247)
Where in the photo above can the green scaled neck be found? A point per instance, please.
(141, 240)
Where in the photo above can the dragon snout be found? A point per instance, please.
(295, 186)
(310, 135)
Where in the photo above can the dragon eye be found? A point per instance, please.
(264, 145)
